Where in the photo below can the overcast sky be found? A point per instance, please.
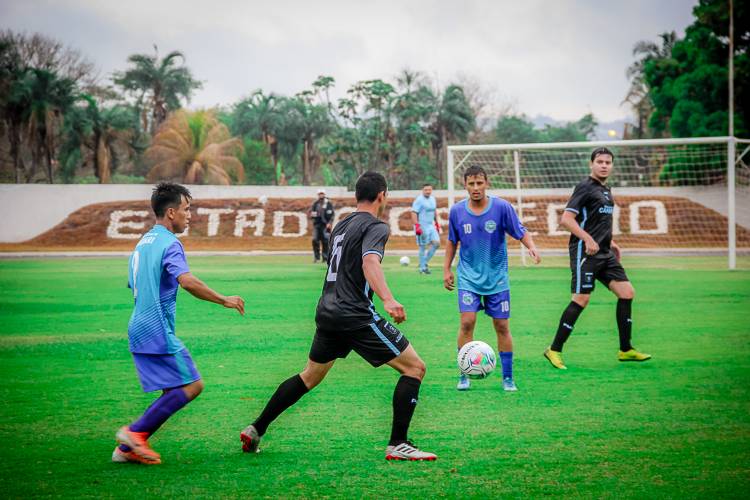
(561, 58)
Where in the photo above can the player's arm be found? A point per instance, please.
(528, 242)
(616, 249)
(450, 253)
(199, 289)
(514, 228)
(374, 275)
(569, 222)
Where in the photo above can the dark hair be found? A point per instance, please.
(369, 185)
(601, 151)
(474, 170)
(166, 195)
(426, 184)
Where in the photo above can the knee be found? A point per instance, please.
(416, 370)
(502, 329)
(194, 390)
(628, 293)
(467, 326)
(582, 300)
(311, 378)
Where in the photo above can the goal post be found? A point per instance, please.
(686, 196)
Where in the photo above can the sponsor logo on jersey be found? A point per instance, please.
(607, 209)
(490, 226)
(467, 298)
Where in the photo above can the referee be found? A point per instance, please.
(594, 256)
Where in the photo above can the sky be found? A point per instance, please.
(557, 58)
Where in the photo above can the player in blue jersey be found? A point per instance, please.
(479, 224)
(426, 227)
(157, 268)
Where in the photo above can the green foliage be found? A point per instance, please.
(257, 162)
(519, 130)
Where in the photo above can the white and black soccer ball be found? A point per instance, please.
(405, 261)
(476, 359)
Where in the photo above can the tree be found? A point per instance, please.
(91, 132)
(159, 85)
(453, 119)
(195, 148)
(516, 130)
(258, 117)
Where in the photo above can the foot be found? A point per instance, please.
(250, 439)
(463, 383)
(315, 261)
(407, 451)
(137, 441)
(509, 385)
(122, 457)
(555, 358)
(632, 355)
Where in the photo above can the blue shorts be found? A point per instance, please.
(429, 234)
(165, 371)
(496, 305)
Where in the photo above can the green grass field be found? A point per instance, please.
(678, 425)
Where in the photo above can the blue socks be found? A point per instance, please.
(159, 412)
(506, 361)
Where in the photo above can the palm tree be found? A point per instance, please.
(306, 123)
(195, 148)
(96, 130)
(162, 82)
(259, 116)
(453, 119)
(638, 93)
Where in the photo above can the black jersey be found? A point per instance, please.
(594, 206)
(346, 301)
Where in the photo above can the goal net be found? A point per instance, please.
(688, 196)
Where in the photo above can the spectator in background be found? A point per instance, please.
(322, 216)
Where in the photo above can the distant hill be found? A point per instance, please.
(618, 126)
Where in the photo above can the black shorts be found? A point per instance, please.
(378, 343)
(586, 269)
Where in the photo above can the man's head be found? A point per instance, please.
(171, 205)
(601, 163)
(371, 188)
(427, 190)
(476, 182)
(321, 194)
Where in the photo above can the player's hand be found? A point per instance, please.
(328, 228)
(592, 247)
(437, 227)
(616, 250)
(534, 253)
(448, 280)
(235, 302)
(418, 229)
(396, 310)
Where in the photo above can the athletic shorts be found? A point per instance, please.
(377, 343)
(496, 305)
(429, 234)
(165, 371)
(586, 270)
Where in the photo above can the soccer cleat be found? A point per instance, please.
(123, 457)
(250, 439)
(509, 385)
(407, 451)
(632, 355)
(463, 383)
(137, 441)
(555, 358)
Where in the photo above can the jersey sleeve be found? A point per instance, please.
(453, 234)
(174, 261)
(512, 223)
(416, 206)
(376, 236)
(578, 199)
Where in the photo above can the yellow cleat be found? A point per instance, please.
(555, 358)
(632, 355)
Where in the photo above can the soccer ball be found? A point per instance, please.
(405, 261)
(476, 359)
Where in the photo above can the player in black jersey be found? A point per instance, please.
(346, 320)
(594, 256)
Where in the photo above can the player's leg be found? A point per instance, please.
(497, 306)
(405, 398)
(422, 256)
(326, 236)
(469, 303)
(431, 249)
(316, 238)
(625, 294)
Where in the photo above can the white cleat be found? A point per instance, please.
(463, 383)
(509, 385)
(407, 451)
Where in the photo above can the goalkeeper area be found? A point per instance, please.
(676, 426)
(672, 196)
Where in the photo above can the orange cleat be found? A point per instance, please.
(137, 441)
(122, 457)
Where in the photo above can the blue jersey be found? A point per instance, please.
(424, 207)
(156, 263)
(483, 257)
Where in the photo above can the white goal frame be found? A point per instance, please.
(732, 160)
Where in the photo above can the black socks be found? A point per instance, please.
(624, 323)
(405, 397)
(288, 393)
(567, 322)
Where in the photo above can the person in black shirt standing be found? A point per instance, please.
(594, 256)
(322, 216)
(347, 321)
